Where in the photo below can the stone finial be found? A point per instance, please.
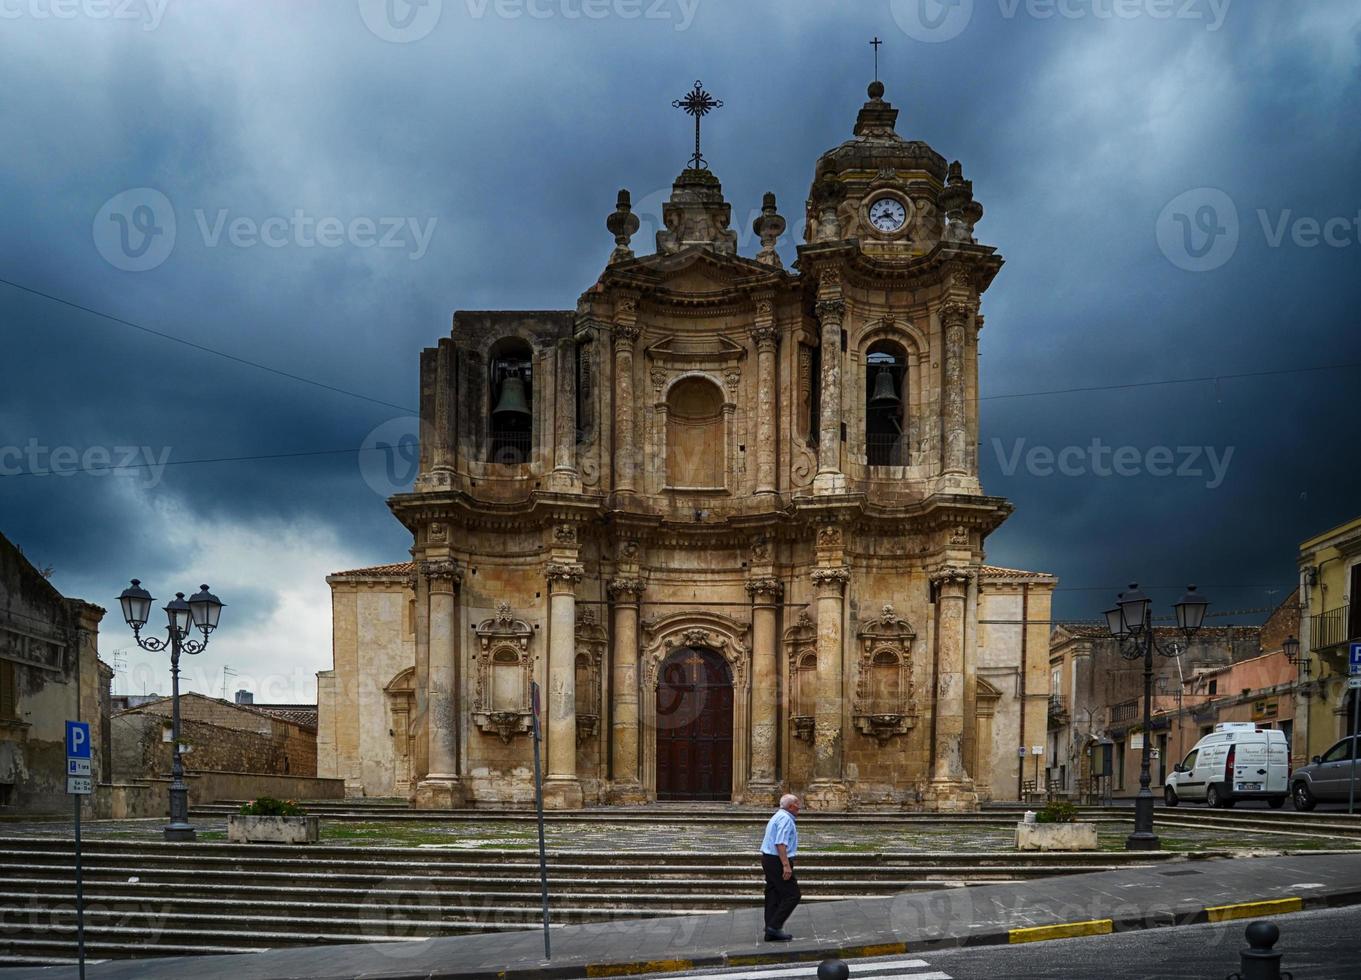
(769, 227)
(962, 212)
(622, 224)
(827, 197)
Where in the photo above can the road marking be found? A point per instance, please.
(858, 969)
(1064, 930)
(1248, 910)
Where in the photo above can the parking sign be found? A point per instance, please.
(1354, 658)
(77, 740)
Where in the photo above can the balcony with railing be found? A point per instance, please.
(1058, 710)
(1124, 712)
(1335, 627)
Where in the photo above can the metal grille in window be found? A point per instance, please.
(9, 694)
(1127, 711)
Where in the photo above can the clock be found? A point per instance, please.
(888, 214)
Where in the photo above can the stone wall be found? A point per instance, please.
(142, 748)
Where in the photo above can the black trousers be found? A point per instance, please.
(781, 895)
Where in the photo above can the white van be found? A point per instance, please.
(1237, 761)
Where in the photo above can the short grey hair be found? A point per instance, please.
(787, 799)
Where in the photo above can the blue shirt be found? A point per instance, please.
(781, 830)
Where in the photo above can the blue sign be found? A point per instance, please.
(1355, 658)
(77, 740)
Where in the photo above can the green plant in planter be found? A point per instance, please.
(1057, 811)
(268, 806)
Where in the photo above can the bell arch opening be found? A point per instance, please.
(510, 396)
(886, 442)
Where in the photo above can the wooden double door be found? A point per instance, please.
(694, 727)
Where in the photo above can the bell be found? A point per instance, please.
(885, 393)
(512, 400)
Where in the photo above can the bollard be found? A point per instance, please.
(1260, 961)
(833, 969)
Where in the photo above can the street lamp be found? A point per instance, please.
(200, 611)
(1130, 621)
(1291, 647)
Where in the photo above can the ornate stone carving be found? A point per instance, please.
(659, 377)
(765, 334)
(733, 379)
(831, 577)
(765, 586)
(712, 631)
(830, 537)
(502, 670)
(629, 549)
(442, 572)
(565, 534)
(438, 531)
(959, 536)
(831, 309)
(800, 642)
(591, 642)
(884, 703)
(760, 550)
(569, 572)
(626, 589)
(943, 575)
(764, 309)
(626, 332)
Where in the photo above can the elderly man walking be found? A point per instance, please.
(778, 848)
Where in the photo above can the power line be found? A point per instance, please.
(201, 347)
(1177, 381)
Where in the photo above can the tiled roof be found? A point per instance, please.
(396, 570)
(299, 714)
(1098, 631)
(997, 571)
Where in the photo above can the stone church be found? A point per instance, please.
(726, 514)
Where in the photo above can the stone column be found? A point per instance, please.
(762, 787)
(951, 789)
(441, 787)
(565, 417)
(828, 790)
(829, 478)
(627, 786)
(954, 424)
(626, 462)
(420, 763)
(767, 338)
(561, 789)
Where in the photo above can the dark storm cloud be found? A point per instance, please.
(488, 151)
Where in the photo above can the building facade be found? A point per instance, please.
(725, 515)
(1094, 745)
(50, 673)
(1330, 609)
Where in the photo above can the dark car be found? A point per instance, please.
(1327, 778)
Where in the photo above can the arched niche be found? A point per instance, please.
(696, 435)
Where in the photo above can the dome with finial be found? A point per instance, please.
(877, 145)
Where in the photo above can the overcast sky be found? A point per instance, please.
(314, 187)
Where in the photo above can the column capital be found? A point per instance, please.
(956, 311)
(568, 573)
(626, 333)
(442, 573)
(627, 590)
(770, 589)
(831, 581)
(951, 577)
(831, 309)
(765, 336)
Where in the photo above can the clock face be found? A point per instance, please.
(888, 214)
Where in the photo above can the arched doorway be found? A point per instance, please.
(694, 727)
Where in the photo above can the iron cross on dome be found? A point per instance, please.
(698, 103)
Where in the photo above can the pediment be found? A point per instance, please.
(694, 273)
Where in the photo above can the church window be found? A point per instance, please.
(694, 435)
(512, 400)
(506, 681)
(886, 443)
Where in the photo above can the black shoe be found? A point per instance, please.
(776, 936)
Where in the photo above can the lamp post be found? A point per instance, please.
(200, 611)
(1130, 621)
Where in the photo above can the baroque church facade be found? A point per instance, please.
(726, 515)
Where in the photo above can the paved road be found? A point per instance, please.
(1323, 945)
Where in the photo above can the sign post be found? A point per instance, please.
(1354, 669)
(78, 777)
(538, 801)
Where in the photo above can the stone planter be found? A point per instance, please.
(242, 829)
(1056, 837)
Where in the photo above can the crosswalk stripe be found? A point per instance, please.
(893, 968)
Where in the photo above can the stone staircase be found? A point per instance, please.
(147, 898)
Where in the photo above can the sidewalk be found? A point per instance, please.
(1179, 893)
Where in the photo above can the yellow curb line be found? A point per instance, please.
(646, 966)
(1247, 910)
(1064, 930)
